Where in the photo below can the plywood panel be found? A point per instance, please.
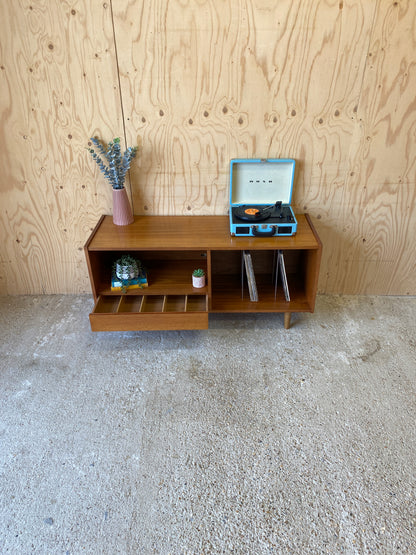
(59, 85)
(380, 187)
(208, 81)
(327, 82)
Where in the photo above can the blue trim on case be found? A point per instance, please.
(257, 161)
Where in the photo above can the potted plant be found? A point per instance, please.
(198, 278)
(126, 267)
(115, 171)
(128, 272)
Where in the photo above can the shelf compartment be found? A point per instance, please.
(175, 303)
(107, 305)
(151, 312)
(130, 303)
(229, 296)
(196, 303)
(152, 303)
(168, 273)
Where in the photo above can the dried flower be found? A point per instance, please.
(118, 164)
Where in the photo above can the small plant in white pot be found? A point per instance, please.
(198, 278)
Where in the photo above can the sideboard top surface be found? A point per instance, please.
(191, 232)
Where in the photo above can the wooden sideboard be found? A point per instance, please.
(171, 247)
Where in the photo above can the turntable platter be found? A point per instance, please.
(250, 213)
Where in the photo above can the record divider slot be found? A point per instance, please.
(123, 305)
(168, 303)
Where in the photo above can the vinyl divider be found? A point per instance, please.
(125, 304)
(121, 303)
(120, 300)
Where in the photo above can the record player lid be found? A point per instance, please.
(257, 181)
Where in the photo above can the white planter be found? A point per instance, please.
(198, 281)
(126, 272)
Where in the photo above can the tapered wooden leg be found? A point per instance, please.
(287, 320)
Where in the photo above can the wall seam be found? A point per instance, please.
(120, 94)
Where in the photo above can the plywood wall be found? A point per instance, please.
(329, 83)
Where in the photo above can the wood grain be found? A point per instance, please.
(207, 82)
(378, 254)
(59, 86)
(327, 82)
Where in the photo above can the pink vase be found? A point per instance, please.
(122, 213)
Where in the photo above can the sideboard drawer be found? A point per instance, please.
(149, 312)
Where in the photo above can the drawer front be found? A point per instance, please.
(138, 322)
(113, 313)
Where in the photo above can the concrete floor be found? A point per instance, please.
(245, 438)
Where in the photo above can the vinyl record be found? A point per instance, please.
(251, 214)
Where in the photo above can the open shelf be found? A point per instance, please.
(228, 296)
(230, 290)
(167, 272)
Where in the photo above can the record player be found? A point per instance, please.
(260, 197)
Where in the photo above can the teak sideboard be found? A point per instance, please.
(171, 247)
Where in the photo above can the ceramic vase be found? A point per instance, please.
(122, 213)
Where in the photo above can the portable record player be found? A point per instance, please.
(260, 197)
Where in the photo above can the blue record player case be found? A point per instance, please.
(260, 197)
